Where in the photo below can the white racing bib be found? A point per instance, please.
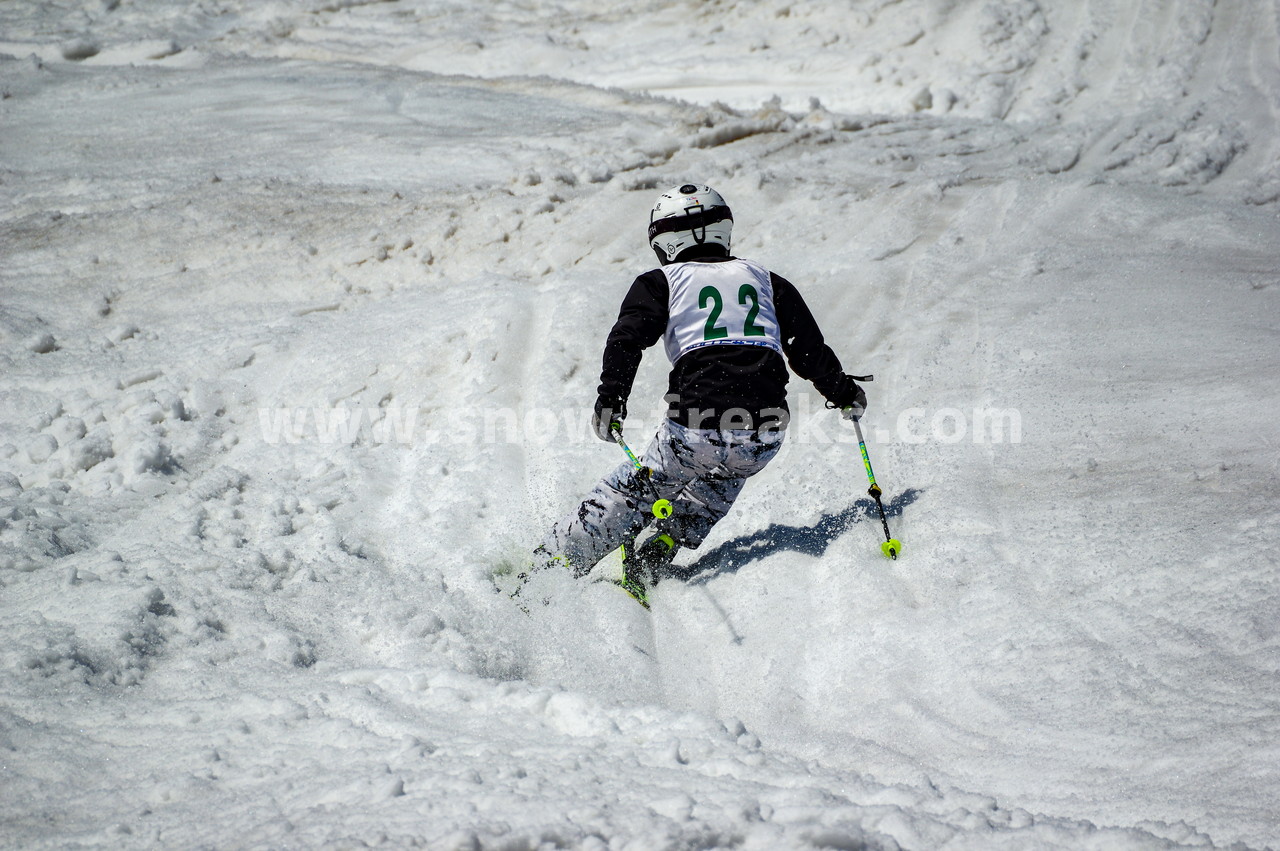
(719, 304)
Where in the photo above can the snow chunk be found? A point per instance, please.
(41, 344)
(79, 49)
(141, 376)
(10, 487)
(120, 333)
(90, 451)
(575, 715)
(922, 100)
(149, 50)
(68, 429)
(149, 454)
(41, 448)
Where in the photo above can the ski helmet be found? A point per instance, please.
(691, 214)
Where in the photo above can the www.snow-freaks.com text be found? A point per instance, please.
(349, 425)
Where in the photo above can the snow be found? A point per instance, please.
(302, 312)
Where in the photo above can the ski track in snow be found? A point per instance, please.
(235, 616)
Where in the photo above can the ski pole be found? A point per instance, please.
(661, 507)
(891, 546)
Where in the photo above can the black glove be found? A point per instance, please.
(608, 412)
(849, 397)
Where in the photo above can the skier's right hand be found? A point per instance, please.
(608, 411)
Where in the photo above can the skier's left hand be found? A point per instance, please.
(608, 412)
(850, 398)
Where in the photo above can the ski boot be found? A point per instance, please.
(643, 566)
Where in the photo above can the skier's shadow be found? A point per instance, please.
(730, 556)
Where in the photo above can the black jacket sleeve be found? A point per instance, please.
(802, 342)
(641, 322)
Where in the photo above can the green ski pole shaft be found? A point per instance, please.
(616, 431)
(661, 507)
(891, 546)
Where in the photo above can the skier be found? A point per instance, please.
(726, 324)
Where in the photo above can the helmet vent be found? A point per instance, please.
(688, 189)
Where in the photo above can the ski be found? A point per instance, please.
(634, 589)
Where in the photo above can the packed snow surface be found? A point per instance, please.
(301, 311)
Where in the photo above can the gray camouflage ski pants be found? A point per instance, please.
(701, 471)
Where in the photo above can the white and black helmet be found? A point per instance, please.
(692, 214)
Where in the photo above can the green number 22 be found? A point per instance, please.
(710, 294)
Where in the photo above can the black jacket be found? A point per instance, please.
(711, 382)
